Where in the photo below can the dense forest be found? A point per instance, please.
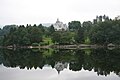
(102, 31)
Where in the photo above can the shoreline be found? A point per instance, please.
(74, 46)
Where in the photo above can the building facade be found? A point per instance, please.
(59, 26)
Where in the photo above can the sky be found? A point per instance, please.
(49, 73)
(47, 11)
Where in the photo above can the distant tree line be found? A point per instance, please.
(22, 35)
(102, 30)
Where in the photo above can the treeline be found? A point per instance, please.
(102, 30)
(22, 35)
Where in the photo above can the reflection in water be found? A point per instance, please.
(59, 66)
(102, 61)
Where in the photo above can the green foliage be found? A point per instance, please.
(87, 25)
(87, 41)
(47, 40)
(1, 41)
(56, 37)
(102, 30)
(63, 37)
(51, 29)
(35, 44)
(79, 38)
(74, 25)
(6, 29)
(105, 32)
(35, 35)
(23, 36)
(41, 27)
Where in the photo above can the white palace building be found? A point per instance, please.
(59, 26)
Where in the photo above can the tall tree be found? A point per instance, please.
(74, 25)
(79, 38)
(41, 28)
(35, 35)
(105, 32)
(51, 29)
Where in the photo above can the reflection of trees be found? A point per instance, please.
(101, 61)
(76, 64)
(106, 61)
(60, 56)
(22, 58)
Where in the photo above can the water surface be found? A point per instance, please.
(88, 64)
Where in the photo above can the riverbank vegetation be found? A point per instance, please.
(101, 31)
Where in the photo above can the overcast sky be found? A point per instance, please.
(47, 11)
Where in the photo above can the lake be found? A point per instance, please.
(49, 64)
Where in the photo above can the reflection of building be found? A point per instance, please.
(59, 66)
(59, 26)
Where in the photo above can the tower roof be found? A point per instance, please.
(57, 20)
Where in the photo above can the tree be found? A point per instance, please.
(56, 37)
(27, 36)
(66, 38)
(74, 25)
(41, 28)
(6, 29)
(87, 25)
(51, 29)
(105, 32)
(61, 37)
(79, 38)
(35, 35)
(23, 38)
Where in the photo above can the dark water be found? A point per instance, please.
(33, 64)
